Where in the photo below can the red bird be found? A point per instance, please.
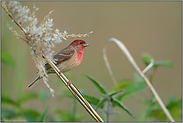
(68, 58)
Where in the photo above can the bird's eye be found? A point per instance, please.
(80, 42)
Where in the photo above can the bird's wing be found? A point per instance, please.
(64, 55)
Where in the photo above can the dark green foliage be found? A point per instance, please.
(29, 114)
(7, 100)
(174, 105)
(7, 113)
(17, 111)
(125, 88)
(146, 58)
(108, 96)
(121, 84)
(97, 84)
(116, 102)
(129, 87)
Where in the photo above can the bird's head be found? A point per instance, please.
(79, 44)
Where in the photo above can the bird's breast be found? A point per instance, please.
(72, 62)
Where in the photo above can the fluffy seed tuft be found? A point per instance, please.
(40, 38)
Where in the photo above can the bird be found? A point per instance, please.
(68, 58)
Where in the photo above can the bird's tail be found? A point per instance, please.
(34, 82)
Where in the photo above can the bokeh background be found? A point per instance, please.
(144, 27)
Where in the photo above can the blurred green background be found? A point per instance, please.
(144, 27)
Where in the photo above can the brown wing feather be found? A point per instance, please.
(64, 55)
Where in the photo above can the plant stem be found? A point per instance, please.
(108, 110)
(75, 92)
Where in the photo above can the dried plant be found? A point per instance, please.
(40, 38)
(141, 73)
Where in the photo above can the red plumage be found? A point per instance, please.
(68, 58)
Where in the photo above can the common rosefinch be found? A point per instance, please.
(68, 58)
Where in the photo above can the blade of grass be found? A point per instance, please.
(115, 92)
(97, 84)
(117, 102)
(100, 103)
(43, 115)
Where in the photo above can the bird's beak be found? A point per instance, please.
(86, 44)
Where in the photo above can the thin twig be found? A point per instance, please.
(108, 65)
(132, 61)
(108, 112)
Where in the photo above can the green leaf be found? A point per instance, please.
(92, 100)
(131, 88)
(29, 114)
(7, 59)
(163, 63)
(7, 113)
(122, 84)
(41, 119)
(140, 85)
(114, 93)
(27, 96)
(138, 78)
(5, 99)
(175, 106)
(97, 84)
(174, 101)
(127, 94)
(146, 58)
(118, 103)
(101, 103)
(153, 111)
